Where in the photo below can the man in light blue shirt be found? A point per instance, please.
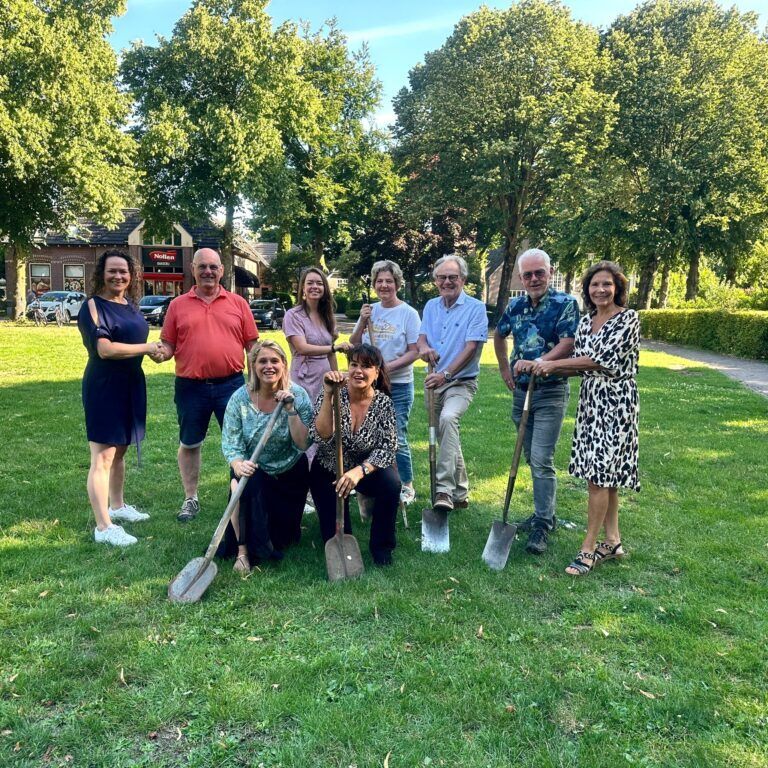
(453, 330)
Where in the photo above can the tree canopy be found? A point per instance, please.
(63, 150)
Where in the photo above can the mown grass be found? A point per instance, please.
(657, 661)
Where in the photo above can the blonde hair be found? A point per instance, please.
(253, 355)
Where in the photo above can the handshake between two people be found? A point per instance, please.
(159, 352)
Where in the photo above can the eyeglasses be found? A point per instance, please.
(539, 274)
(208, 267)
(447, 278)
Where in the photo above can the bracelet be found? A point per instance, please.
(293, 413)
(333, 346)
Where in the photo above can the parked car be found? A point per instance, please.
(268, 313)
(70, 302)
(164, 310)
(152, 308)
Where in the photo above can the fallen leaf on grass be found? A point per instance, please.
(480, 634)
(402, 688)
(13, 677)
(275, 686)
(511, 708)
(711, 623)
(386, 759)
(6, 732)
(254, 639)
(646, 694)
(455, 581)
(178, 734)
(721, 610)
(605, 632)
(71, 615)
(661, 609)
(45, 593)
(408, 647)
(68, 758)
(376, 612)
(152, 735)
(122, 677)
(97, 631)
(17, 747)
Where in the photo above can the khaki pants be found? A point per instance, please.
(451, 401)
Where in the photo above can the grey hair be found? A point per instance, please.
(387, 266)
(463, 269)
(535, 252)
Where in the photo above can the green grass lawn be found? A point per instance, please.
(658, 661)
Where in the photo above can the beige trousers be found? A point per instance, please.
(451, 402)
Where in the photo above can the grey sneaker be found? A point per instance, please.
(189, 510)
(115, 536)
(537, 540)
(128, 513)
(528, 523)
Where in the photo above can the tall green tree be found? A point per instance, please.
(212, 103)
(691, 139)
(324, 186)
(503, 117)
(63, 151)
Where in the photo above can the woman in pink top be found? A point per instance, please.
(310, 328)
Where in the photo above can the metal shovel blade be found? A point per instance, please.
(499, 543)
(342, 558)
(435, 536)
(188, 586)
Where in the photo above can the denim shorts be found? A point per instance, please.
(197, 399)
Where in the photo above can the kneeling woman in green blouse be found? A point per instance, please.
(270, 510)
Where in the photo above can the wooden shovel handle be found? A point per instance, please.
(337, 429)
(518, 446)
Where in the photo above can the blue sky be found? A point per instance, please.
(398, 32)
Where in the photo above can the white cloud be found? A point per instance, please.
(406, 28)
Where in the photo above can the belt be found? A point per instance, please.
(219, 380)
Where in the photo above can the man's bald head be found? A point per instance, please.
(205, 253)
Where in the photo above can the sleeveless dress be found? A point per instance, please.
(114, 391)
(605, 444)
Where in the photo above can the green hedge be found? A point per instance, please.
(739, 333)
(353, 309)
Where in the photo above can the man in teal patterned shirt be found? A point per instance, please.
(543, 325)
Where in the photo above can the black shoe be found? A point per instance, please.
(276, 554)
(382, 557)
(537, 541)
(528, 523)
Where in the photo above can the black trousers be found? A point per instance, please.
(271, 509)
(383, 486)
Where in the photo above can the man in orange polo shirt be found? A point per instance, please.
(207, 330)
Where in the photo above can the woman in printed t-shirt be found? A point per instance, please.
(395, 332)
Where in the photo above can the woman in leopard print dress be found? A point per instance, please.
(605, 442)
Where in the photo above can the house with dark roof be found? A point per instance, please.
(64, 261)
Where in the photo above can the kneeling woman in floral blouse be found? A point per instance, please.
(369, 443)
(269, 516)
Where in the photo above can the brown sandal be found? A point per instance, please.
(582, 564)
(605, 551)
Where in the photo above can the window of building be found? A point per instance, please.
(40, 278)
(174, 238)
(74, 277)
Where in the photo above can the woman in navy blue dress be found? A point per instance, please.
(114, 391)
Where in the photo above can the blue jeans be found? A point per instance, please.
(199, 399)
(545, 418)
(402, 399)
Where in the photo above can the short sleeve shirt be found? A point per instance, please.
(536, 330)
(209, 339)
(448, 329)
(394, 328)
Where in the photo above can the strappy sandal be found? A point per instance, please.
(581, 564)
(605, 551)
(242, 566)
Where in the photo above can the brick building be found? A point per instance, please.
(65, 261)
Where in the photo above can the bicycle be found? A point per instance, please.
(61, 315)
(38, 316)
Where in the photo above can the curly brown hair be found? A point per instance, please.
(619, 281)
(97, 282)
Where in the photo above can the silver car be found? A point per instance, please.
(70, 302)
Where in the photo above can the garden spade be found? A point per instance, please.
(434, 523)
(342, 552)
(502, 533)
(191, 583)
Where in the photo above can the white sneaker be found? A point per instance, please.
(114, 535)
(407, 494)
(128, 513)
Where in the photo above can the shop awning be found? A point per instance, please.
(245, 278)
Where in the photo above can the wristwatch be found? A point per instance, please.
(447, 374)
(365, 469)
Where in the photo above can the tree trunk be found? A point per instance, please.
(664, 288)
(227, 250)
(18, 305)
(645, 288)
(318, 248)
(569, 277)
(692, 281)
(507, 268)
